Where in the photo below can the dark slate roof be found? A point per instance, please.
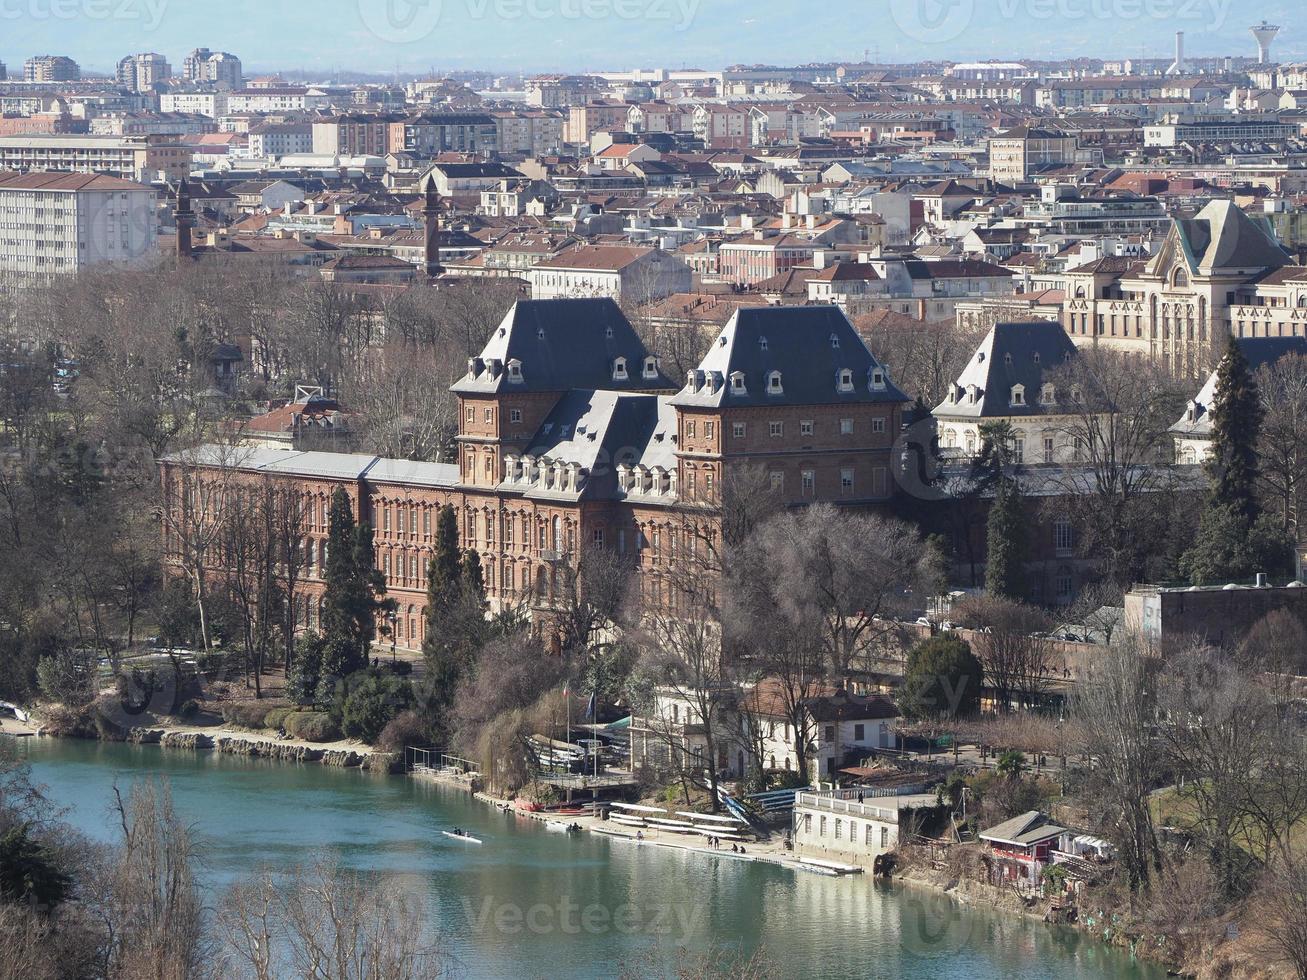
(809, 345)
(1011, 354)
(1259, 352)
(597, 430)
(561, 344)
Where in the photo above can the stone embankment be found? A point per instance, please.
(255, 747)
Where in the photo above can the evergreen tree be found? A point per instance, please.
(1005, 543)
(942, 679)
(352, 596)
(444, 575)
(1237, 416)
(1234, 542)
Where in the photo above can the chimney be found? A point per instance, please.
(185, 219)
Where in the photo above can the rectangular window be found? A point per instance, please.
(777, 429)
(871, 840)
(413, 568)
(709, 429)
(689, 429)
(809, 482)
(877, 425)
(489, 415)
(830, 733)
(515, 415)
(884, 837)
(385, 519)
(839, 825)
(426, 521)
(859, 732)
(778, 481)
(1048, 450)
(822, 828)
(737, 430)
(805, 428)
(846, 427)
(471, 414)
(846, 481)
(1064, 539)
(598, 537)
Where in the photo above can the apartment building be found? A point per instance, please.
(54, 223)
(141, 72)
(430, 133)
(212, 104)
(143, 158)
(51, 68)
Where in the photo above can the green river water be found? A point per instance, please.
(531, 903)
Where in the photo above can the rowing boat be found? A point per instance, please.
(465, 838)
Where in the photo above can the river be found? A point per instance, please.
(531, 903)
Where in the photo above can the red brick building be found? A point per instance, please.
(571, 437)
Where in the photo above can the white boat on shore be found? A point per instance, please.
(465, 838)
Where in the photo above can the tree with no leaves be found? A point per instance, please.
(1114, 709)
(845, 576)
(1010, 642)
(1117, 413)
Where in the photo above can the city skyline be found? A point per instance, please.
(416, 36)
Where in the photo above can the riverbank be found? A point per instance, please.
(229, 740)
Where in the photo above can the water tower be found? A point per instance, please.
(1265, 34)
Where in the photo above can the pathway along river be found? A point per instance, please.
(531, 903)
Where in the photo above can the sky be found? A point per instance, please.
(411, 36)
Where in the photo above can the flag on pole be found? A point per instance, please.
(590, 707)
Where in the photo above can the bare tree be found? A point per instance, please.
(924, 357)
(1011, 643)
(400, 399)
(848, 574)
(155, 913)
(1116, 414)
(1114, 707)
(329, 924)
(1278, 918)
(1282, 439)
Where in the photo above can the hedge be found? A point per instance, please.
(246, 714)
(311, 726)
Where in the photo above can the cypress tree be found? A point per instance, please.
(1237, 415)
(351, 598)
(1005, 543)
(444, 574)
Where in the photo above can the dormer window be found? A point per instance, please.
(834, 342)
(774, 386)
(845, 379)
(1007, 358)
(973, 394)
(514, 370)
(540, 333)
(651, 367)
(1036, 357)
(608, 332)
(1077, 395)
(1047, 395)
(762, 343)
(737, 382)
(877, 379)
(619, 369)
(1018, 394)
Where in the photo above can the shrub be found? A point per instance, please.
(371, 700)
(68, 677)
(276, 718)
(246, 714)
(401, 668)
(312, 726)
(405, 729)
